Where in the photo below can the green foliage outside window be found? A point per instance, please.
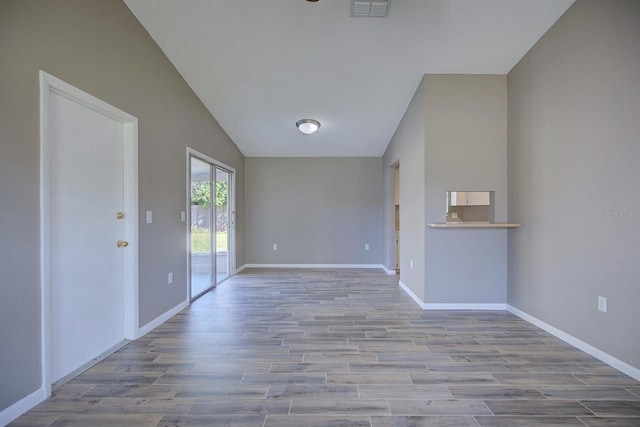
(201, 196)
(201, 193)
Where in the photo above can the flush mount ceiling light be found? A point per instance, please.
(308, 126)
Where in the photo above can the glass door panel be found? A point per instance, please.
(202, 249)
(222, 224)
(211, 223)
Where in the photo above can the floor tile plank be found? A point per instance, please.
(345, 347)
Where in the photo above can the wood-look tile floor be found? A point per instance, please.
(340, 348)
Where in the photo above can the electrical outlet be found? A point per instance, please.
(411, 264)
(366, 246)
(183, 216)
(170, 278)
(275, 246)
(602, 304)
(149, 217)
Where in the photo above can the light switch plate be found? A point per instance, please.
(602, 304)
(149, 217)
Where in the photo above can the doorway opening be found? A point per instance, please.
(211, 234)
(396, 197)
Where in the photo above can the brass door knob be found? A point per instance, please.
(122, 243)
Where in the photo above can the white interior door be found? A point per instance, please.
(87, 267)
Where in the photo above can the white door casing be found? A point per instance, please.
(88, 174)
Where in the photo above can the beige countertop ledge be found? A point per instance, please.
(471, 224)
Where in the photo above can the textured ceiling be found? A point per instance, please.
(261, 65)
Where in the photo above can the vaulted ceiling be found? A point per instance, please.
(261, 65)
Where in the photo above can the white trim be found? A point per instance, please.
(50, 84)
(21, 406)
(376, 266)
(238, 270)
(389, 272)
(452, 306)
(162, 318)
(209, 159)
(131, 259)
(45, 237)
(411, 294)
(466, 306)
(187, 226)
(579, 344)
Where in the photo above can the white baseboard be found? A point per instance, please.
(579, 344)
(239, 269)
(162, 318)
(21, 406)
(466, 306)
(28, 402)
(610, 360)
(389, 272)
(377, 266)
(451, 306)
(411, 294)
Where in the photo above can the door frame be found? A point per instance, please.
(48, 85)
(232, 213)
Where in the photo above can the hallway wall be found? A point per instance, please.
(99, 47)
(573, 153)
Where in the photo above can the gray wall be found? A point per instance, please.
(317, 210)
(453, 136)
(574, 153)
(466, 149)
(407, 149)
(99, 47)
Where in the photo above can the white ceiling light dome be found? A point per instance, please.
(308, 126)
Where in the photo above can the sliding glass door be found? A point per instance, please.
(222, 224)
(211, 223)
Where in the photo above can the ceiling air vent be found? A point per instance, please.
(370, 9)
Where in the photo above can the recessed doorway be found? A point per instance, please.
(396, 210)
